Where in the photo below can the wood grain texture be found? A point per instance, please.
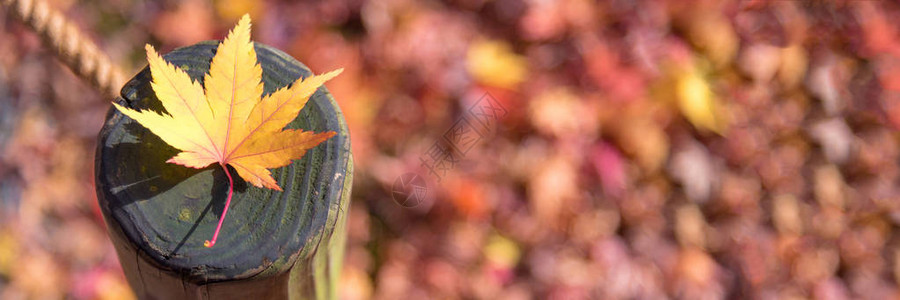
(159, 214)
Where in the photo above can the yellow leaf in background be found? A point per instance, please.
(502, 251)
(234, 9)
(228, 121)
(713, 33)
(698, 103)
(792, 67)
(111, 287)
(9, 252)
(494, 63)
(555, 112)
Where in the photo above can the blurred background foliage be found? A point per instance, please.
(662, 148)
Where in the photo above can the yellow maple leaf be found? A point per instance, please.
(229, 121)
(698, 102)
(494, 63)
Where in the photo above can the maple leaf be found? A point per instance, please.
(228, 121)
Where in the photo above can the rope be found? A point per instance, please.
(71, 46)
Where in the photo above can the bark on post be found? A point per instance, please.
(273, 245)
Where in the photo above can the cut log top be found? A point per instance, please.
(164, 211)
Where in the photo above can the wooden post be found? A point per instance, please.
(273, 245)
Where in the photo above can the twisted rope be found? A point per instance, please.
(72, 47)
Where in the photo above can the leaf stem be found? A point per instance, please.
(209, 244)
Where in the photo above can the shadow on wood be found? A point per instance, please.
(273, 245)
